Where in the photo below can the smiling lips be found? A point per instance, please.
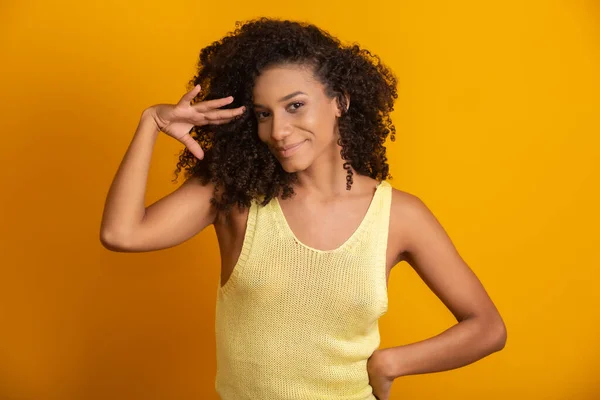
(289, 150)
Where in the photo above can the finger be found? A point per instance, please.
(189, 96)
(192, 146)
(221, 121)
(204, 121)
(209, 105)
(223, 114)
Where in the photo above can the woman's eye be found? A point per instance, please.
(298, 104)
(260, 115)
(292, 106)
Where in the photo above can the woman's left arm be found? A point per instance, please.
(480, 330)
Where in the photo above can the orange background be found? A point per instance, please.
(498, 125)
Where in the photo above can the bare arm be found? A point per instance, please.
(127, 225)
(480, 330)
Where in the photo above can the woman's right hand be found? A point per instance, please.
(176, 120)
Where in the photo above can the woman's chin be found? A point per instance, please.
(291, 165)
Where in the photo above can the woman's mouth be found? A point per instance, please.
(290, 150)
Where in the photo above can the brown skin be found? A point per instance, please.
(309, 118)
(415, 234)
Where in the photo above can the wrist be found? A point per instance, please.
(148, 118)
(392, 362)
(381, 363)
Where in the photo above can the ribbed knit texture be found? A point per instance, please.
(294, 322)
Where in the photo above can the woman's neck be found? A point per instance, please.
(326, 177)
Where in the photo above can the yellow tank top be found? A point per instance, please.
(294, 322)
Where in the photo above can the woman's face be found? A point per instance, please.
(296, 120)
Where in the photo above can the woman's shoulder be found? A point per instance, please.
(407, 213)
(405, 203)
(410, 216)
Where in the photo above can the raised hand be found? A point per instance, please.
(176, 120)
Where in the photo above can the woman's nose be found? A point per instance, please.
(280, 129)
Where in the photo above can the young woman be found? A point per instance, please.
(284, 129)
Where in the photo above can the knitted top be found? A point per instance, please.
(294, 322)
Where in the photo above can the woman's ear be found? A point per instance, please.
(343, 103)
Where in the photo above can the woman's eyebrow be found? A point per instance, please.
(284, 98)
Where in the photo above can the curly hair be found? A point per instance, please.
(236, 161)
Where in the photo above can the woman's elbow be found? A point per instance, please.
(498, 334)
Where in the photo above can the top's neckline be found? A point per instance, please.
(281, 217)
